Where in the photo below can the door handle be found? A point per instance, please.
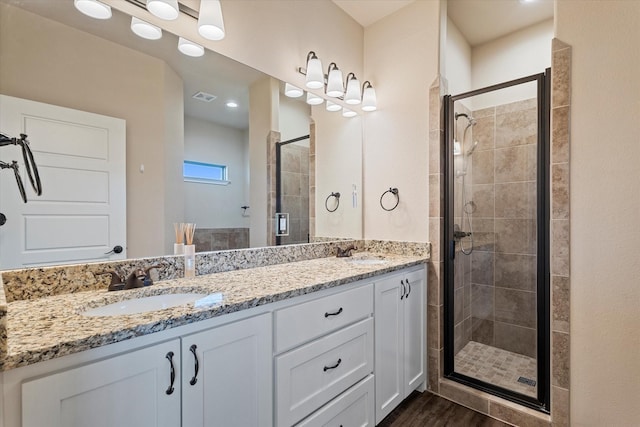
(169, 356)
(116, 250)
(194, 380)
(409, 285)
(404, 289)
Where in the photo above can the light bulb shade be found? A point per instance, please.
(369, 100)
(353, 95)
(334, 81)
(348, 113)
(164, 9)
(93, 8)
(315, 75)
(292, 91)
(332, 106)
(314, 99)
(190, 48)
(144, 29)
(210, 23)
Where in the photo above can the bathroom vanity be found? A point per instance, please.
(289, 344)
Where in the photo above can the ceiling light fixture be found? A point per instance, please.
(353, 95)
(314, 99)
(164, 9)
(292, 91)
(315, 76)
(144, 29)
(334, 81)
(93, 8)
(348, 113)
(190, 48)
(369, 100)
(232, 104)
(210, 22)
(332, 106)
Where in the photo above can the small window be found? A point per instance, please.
(205, 173)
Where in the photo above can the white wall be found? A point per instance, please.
(457, 58)
(515, 55)
(401, 60)
(209, 205)
(605, 201)
(294, 118)
(339, 151)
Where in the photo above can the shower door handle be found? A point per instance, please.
(452, 249)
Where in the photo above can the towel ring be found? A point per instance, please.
(393, 191)
(326, 202)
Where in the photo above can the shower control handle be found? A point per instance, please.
(404, 289)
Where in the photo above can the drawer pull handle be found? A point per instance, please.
(194, 380)
(404, 289)
(335, 313)
(409, 285)
(169, 356)
(326, 368)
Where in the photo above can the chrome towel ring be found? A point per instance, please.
(326, 202)
(393, 191)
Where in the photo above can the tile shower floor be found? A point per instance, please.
(497, 366)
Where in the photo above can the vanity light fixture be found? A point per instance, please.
(144, 29)
(332, 106)
(314, 99)
(315, 75)
(369, 100)
(93, 8)
(164, 9)
(210, 22)
(353, 95)
(292, 91)
(348, 113)
(334, 81)
(190, 48)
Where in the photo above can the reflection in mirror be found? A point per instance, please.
(51, 53)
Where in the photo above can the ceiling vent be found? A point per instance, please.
(204, 96)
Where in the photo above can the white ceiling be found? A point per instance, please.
(479, 20)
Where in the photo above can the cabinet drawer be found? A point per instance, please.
(307, 321)
(310, 376)
(354, 407)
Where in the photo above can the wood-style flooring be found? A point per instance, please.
(426, 409)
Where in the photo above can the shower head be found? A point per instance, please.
(473, 148)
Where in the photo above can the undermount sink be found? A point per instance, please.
(144, 304)
(367, 260)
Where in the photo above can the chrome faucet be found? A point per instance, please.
(346, 252)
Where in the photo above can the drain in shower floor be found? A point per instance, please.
(527, 381)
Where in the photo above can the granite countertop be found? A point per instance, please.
(50, 327)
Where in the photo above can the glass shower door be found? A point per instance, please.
(496, 305)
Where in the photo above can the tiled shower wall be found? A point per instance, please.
(560, 244)
(220, 239)
(295, 191)
(503, 262)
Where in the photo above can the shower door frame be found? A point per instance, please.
(542, 401)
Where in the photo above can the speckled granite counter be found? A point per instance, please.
(49, 327)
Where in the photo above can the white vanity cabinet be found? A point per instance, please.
(333, 339)
(230, 385)
(226, 375)
(136, 389)
(400, 304)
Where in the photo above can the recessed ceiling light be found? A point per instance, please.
(232, 104)
(204, 96)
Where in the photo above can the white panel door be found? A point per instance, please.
(81, 214)
(131, 390)
(227, 375)
(389, 349)
(414, 330)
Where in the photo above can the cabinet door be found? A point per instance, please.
(389, 345)
(414, 330)
(233, 383)
(127, 390)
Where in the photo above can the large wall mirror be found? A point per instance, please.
(52, 54)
